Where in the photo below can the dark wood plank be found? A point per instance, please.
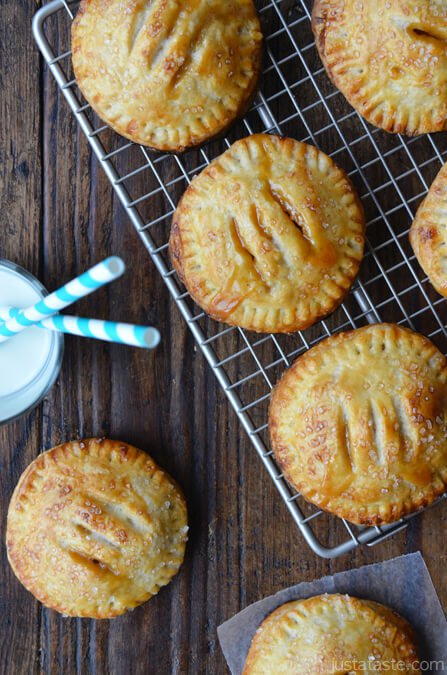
(20, 189)
(56, 222)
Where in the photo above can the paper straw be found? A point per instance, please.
(111, 331)
(102, 273)
(8, 313)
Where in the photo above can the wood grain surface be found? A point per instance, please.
(58, 217)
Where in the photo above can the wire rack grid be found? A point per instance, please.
(391, 173)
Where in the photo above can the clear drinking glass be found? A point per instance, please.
(31, 361)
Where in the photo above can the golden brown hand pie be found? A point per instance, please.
(428, 233)
(331, 635)
(165, 73)
(389, 58)
(95, 527)
(359, 423)
(269, 236)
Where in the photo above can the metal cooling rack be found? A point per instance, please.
(391, 173)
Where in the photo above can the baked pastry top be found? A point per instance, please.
(95, 527)
(388, 58)
(331, 635)
(359, 423)
(269, 236)
(428, 233)
(164, 73)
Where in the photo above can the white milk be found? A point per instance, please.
(30, 361)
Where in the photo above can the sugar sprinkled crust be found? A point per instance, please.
(389, 58)
(359, 424)
(165, 73)
(95, 527)
(326, 634)
(270, 236)
(428, 233)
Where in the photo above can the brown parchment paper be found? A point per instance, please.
(403, 583)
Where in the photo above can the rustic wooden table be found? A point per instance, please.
(59, 216)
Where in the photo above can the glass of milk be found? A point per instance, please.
(30, 361)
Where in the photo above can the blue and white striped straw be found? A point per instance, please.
(110, 331)
(102, 273)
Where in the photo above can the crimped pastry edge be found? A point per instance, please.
(396, 510)
(194, 142)
(383, 613)
(176, 250)
(393, 127)
(64, 449)
(421, 236)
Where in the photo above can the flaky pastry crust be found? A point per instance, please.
(428, 233)
(331, 635)
(359, 424)
(388, 58)
(269, 236)
(164, 73)
(95, 528)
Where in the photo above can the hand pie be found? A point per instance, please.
(164, 73)
(269, 236)
(359, 424)
(331, 635)
(389, 58)
(428, 233)
(95, 527)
